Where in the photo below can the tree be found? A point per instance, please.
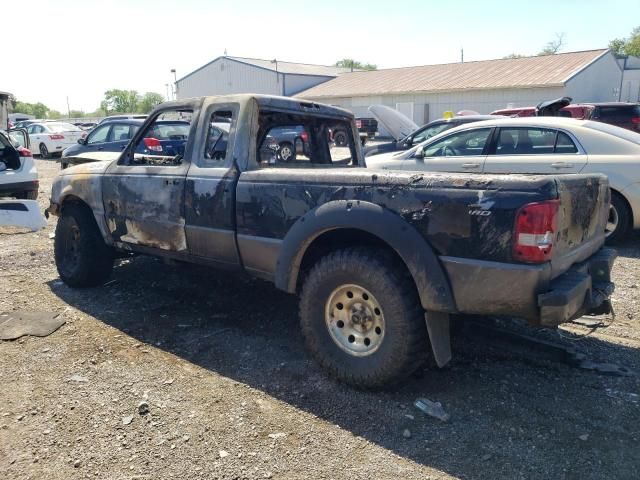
(627, 46)
(513, 55)
(120, 101)
(55, 115)
(149, 101)
(355, 65)
(22, 107)
(553, 46)
(75, 114)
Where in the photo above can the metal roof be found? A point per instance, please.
(289, 68)
(526, 72)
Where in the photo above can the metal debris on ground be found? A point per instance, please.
(433, 409)
(16, 324)
(143, 408)
(127, 420)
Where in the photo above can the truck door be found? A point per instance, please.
(210, 186)
(143, 192)
(534, 150)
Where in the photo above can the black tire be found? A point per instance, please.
(619, 211)
(44, 151)
(28, 195)
(82, 257)
(403, 347)
(287, 152)
(340, 138)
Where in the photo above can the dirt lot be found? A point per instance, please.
(231, 393)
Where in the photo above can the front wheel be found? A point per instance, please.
(287, 152)
(619, 221)
(82, 257)
(340, 139)
(361, 318)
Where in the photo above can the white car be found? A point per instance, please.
(536, 145)
(47, 138)
(18, 174)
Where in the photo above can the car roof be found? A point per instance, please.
(528, 121)
(610, 104)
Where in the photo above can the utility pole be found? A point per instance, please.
(167, 87)
(68, 109)
(175, 83)
(461, 55)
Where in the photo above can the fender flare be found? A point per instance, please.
(431, 281)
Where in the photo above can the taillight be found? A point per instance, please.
(535, 230)
(358, 123)
(635, 120)
(304, 136)
(153, 144)
(24, 152)
(56, 136)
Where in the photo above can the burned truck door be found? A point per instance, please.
(210, 185)
(143, 193)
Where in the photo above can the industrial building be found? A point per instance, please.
(228, 75)
(423, 93)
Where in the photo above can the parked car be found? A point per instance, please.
(624, 115)
(287, 143)
(537, 145)
(113, 136)
(25, 123)
(397, 124)
(366, 126)
(18, 173)
(380, 261)
(49, 138)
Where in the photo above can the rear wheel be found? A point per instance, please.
(340, 139)
(361, 318)
(44, 151)
(619, 221)
(82, 257)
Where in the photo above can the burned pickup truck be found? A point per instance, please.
(381, 261)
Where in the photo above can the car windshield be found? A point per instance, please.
(62, 127)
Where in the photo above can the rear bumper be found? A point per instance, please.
(19, 187)
(527, 291)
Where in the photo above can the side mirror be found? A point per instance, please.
(82, 141)
(419, 153)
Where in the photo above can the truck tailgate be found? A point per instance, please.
(584, 208)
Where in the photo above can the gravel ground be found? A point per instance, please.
(218, 360)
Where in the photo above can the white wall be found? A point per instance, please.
(298, 83)
(599, 82)
(630, 91)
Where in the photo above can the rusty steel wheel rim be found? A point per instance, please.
(355, 320)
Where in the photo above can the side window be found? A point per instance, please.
(99, 135)
(217, 147)
(120, 133)
(304, 141)
(533, 141)
(564, 144)
(164, 141)
(466, 143)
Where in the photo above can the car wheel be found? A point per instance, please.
(82, 258)
(44, 151)
(340, 139)
(287, 152)
(361, 318)
(619, 221)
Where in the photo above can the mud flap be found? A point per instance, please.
(438, 328)
(21, 214)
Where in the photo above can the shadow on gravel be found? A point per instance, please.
(630, 246)
(510, 418)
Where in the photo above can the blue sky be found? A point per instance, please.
(82, 48)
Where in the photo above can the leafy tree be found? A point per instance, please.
(355, 65)
(513, 55)
(554, 46)
(627, 46)
(40, 110)
(22, 107)
(149, 101)
(76, 114)
(120, 101)
(55, 115)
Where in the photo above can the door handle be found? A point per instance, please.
(562, 165)
(470, 165)
(172, 182)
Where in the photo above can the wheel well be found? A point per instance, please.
(72, 199)
(627, 204)
(338, 239)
